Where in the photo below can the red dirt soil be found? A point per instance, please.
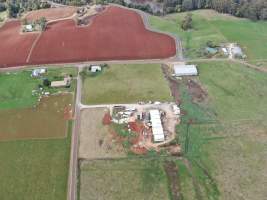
(14, 47)
(107, 119)
(116, 34)
(51, 13)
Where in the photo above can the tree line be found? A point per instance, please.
(252, 9)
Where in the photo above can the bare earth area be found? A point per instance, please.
(51, 14)
(47, 120)
(65, 42)
(95, 139)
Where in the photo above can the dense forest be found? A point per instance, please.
(252, 9)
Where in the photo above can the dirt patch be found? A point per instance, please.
(51, 13)
(197, 93)
(171, 170)
(173, 83)
(47, 120)
(98, 140)
(14, 47)
(107, 119)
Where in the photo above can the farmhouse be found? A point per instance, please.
(157, 129)
(65, 83)
(38, 72)
(185, 70)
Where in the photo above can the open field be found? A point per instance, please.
(210, 25)
(126, 84)
(47, 120)
(51, 14)
(95, 139)
(227, 149)
(67, 41)
(34, 169)
(123, 179)
(63, 41)
(236, 92)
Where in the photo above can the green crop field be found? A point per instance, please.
(211, 26)
(226, 143)
(123, 179)
(126, 84)
(34, 169)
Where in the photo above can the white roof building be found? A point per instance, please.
(95, 68)
(29, 27)
(157, 129)
(185, 70)
(38, 72)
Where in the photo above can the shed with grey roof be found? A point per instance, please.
(185, 70)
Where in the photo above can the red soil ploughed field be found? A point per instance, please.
(14, 47)
(114, 34)
(51, 14)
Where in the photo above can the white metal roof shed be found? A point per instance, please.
(158, 138)
(185, 70)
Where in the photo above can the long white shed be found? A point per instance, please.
(185, 70)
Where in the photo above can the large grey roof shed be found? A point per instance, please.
(185, 70)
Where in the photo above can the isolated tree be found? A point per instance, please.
(46, 82)
(42, 23)
(187, 22)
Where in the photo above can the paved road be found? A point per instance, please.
(73, 170)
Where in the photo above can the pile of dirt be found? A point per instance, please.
(196, 91)
(173, 83)
(68, 112)
(107, 119)
(139, 150)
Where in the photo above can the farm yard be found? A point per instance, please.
(209, 25)
(96, 141)
(70, 43)
(141, 82)
(51, 14)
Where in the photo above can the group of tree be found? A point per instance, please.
(252, 9)
(187, 22)
(17, 7)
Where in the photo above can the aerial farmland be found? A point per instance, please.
(132, 100)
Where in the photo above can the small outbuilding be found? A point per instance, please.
(185, 70)
(237, 52)
(29, 28)
(38, 72)
(95, 68)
